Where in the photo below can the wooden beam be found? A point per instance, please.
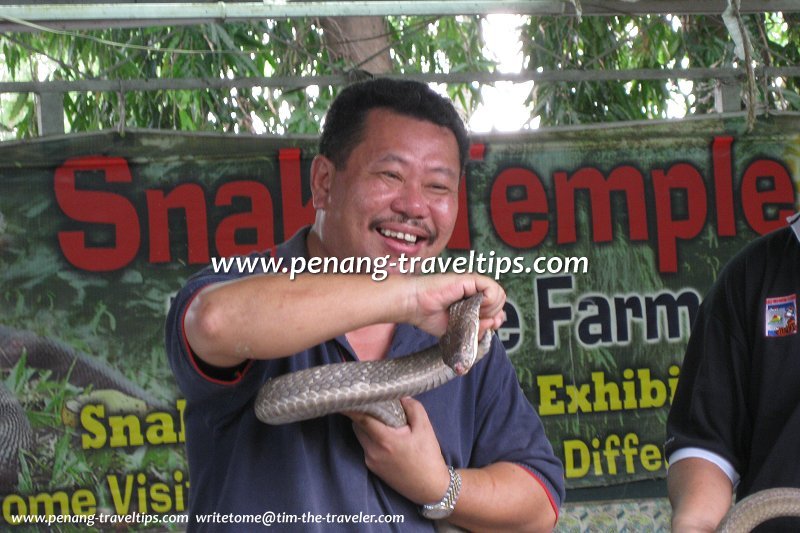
(20, 14)
(293, 82)
(50, 113)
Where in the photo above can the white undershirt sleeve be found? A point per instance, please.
(700, 453)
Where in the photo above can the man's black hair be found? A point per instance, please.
(344, 122)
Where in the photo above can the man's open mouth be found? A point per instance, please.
(405, 237)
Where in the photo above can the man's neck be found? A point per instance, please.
(314, 243)
(371, 342)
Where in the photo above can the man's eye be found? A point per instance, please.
(438, 187)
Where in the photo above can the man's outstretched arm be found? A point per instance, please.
(271, 316)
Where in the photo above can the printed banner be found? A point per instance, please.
(605, 239)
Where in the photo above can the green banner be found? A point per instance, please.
(605, 239)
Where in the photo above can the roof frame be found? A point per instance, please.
(295, 82)
(19, 14)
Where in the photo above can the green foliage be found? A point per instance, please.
(781, 47)
(268, 48)
(451, 44)
(416, 45)
(649, 42)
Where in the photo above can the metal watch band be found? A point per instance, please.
(444, 508)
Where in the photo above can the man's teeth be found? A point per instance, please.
(399, 235)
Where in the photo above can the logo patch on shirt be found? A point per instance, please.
(781, 316)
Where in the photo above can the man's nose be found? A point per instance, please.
(411, 201)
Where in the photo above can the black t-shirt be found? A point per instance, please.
(739, 392)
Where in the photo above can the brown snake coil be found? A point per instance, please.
(760, 507)
(375, 387)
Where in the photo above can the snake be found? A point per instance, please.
(759, 507)
(375, 387)
(63, 362)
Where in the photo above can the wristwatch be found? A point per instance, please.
(444, 508)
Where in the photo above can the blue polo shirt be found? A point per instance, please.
(311, 475)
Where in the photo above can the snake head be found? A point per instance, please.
(461, 368)
(460, 344)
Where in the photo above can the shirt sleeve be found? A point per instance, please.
(508, 428)
(700, 453)
(709, 410)
(196, 383)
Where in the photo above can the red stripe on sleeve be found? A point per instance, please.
(193, 357)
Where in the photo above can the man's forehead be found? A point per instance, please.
(390, 140)
(379, 115)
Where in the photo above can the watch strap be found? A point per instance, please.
(444, 507)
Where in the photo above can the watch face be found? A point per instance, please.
(437, 513)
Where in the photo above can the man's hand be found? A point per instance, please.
(433, 295)
(499, 497)
(407, 458)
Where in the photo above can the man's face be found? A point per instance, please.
(398, 192)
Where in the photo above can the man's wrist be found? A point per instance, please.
(444, 507)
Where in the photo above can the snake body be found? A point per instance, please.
(15, 434)
(375, 387)
(760, 507)
(62, 362)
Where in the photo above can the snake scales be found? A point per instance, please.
(761, 507)
(375, 387)
(63, 362)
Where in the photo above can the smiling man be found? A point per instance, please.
(474, 452)
(376, 209)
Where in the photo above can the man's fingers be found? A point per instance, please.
(494, 298)
(415, 413)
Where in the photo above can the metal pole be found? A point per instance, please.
(232, 10)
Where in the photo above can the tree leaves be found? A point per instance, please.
(297, 47)
(626, 43)
(257, 49)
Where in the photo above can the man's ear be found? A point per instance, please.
(322, 175)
